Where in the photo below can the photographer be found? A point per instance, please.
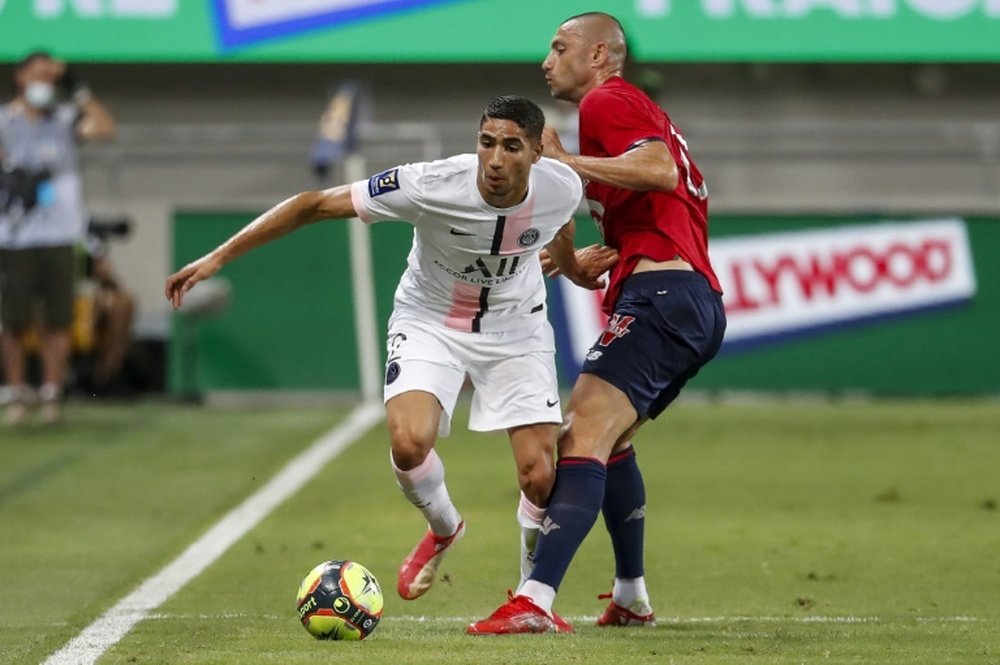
(42, 218)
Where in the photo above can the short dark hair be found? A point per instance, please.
(520, 110)
(25, 62)
(31, 58)
(607, 17)
(596, 15)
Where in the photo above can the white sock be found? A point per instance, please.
(529, 516)
(631, 592)
(540, 594)
(424, 487)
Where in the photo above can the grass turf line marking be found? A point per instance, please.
(114, 624)
(591, 618)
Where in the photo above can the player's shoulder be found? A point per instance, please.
(557, 173)
(422, 180)
(440, 173)
(610, 94)
(449, 167)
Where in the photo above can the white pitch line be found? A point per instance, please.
(718, 619)
(114, 624)
(393, 618)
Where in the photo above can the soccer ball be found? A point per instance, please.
(339, 600)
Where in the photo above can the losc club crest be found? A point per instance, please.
(528, 238)
(617, 328)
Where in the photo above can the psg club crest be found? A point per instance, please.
(528, 238)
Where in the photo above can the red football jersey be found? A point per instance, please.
(614, 118)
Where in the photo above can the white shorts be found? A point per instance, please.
(513, 373)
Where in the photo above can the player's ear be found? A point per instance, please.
(537, 154)
(600, 54)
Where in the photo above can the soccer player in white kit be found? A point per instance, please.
(470, 303)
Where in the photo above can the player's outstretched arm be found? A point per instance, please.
(583, 267)
(646, 168)
(280, 220)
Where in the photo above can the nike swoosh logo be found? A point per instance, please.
(456, 232)
(552, 403)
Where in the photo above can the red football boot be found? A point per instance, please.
(519, 615)
(616, 615)
(420, 566)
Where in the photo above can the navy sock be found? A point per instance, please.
(572, 511)
(625, 513)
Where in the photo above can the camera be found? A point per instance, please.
(109, 227)
(20, 187)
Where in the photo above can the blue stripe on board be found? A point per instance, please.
(230, 37)
(797, 334)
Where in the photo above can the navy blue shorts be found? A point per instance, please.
(667, 324)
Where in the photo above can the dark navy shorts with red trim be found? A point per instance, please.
(667, 324)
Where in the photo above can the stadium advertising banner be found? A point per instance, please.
(854, 306)
(781, 285)
(475, 31)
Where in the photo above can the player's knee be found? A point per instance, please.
(409, 447)
(583, 437)
(536, 478)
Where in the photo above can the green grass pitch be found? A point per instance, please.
(780, 533)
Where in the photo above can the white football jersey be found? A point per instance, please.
(472, 267)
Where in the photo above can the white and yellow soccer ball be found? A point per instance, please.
(339, 600)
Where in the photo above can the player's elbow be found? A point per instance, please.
(668, 178)
(658, 177)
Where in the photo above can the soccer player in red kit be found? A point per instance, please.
(666, 319)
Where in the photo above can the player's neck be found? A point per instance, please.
(606, 76)
(599, 79)
(508, 200)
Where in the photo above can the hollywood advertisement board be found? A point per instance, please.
(789, 287)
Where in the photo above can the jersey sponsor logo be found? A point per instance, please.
(594, 354)
(383, 183)
(484, 272)
(528, 238)
(617, 328)
(551, 402)
(456, 232)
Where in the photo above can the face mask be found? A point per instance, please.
(39, 94)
